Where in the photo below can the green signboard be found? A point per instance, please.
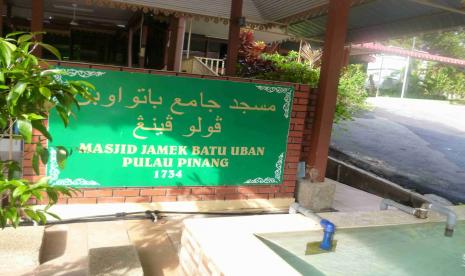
(152, 130)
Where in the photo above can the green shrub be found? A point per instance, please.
(29, 91)
(352, 94)
(288, 69)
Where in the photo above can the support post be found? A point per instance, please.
(233, 38)
(143, 45)
(206, 49)
(189, 39)
(346, 59)
(181, 30)
(2, 2)
(333, 53)
(37, 20)
(130, 37)
(172, 41)
(379, 76)
(407, 67)
(299, 58)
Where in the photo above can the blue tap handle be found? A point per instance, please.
(329, 230)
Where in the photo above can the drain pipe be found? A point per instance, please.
(328, 227)
(451, 217)
(421, 213)
(386, 202)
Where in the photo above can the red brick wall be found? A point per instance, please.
(308, 126)
(303, 99)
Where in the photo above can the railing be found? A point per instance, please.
(215, 65)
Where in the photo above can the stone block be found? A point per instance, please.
(317, 196)
(20, 249)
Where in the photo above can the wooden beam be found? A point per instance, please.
(438, 6)
(233, 37)
(135, 20)
(333, 53)
(37, 22)
(316, 10)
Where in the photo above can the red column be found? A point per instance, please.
(333, 53)
(37, 20)
(346, 59)
(233, 38)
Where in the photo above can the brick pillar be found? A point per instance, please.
(233, 38)
(333, 54)
(37, 20)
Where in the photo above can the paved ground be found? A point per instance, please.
(419, 144)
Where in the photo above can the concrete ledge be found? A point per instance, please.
(224, 248)
(20, 249)
(71, 211)
(366, 181)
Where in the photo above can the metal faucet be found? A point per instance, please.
(328, 227)
(451, 216)
(423, 212)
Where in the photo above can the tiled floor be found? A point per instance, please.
(349, 199)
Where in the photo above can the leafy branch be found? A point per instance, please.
(29, 90)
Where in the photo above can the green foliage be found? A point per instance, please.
(288, 69)
(441, 80)
(429, 80)
(436, 80)
(450, 43)
(29, 91)
(352, 94)
(256, 61)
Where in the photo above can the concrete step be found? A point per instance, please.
(65, 251)
(110, 250)
(95, 248)
(20, 249)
